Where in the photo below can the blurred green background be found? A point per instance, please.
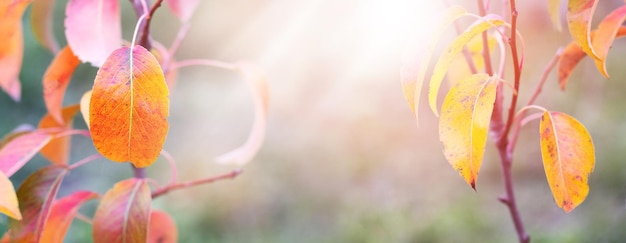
(343, 159)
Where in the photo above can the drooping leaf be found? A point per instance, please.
(85, 101)
(572, 54)
(579, 15)
(124, 213)
(8, 198)
(464, 124)
(459, 69)
(258, 84)
(56, 79)
(93, 29)
(11, 46)
(568, 158)
(35, 196)
(183, 9)
(554, 9)
(413, 73)
(58, 149)
(128, 113)
(604, 36)
(41, 23)
(452, 51)
(61, 215)
(20, 150)
(162, 228)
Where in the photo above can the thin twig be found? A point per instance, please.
(191, 183)
(172, 163)
(85, 161)
(84, 218)
(203, 62)
(486, 55)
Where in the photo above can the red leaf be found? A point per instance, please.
(20, 150)
(58, 149)
(123, 213)
(183, 9)
(162, 228)
(35, 196)
(56, 79)
(11, 46)
(62, 213)
(41, 23)
(129, 107)
(93, 29)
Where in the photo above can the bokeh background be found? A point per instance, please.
(343, 159)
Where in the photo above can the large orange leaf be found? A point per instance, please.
(579, 15)
(452, 51)
(568, 158)
(571, 56)
(413, 73)
(183, 9)
(20, 150)
(162, 228)
(41, 23)
(129, 107)
(35, 196)
(124, 213)
(61, 215)
(93, 29)
(8, 198)
(258, 84)
(604, 36)
(11, 46)
(464, 124)
(56, 79)
(58, 149)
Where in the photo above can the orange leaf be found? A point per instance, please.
(56, 79)
(20, 150)
(571, 56)
(258, 84)
(58, 149)
(11, 46)
(61, 215)
(568, 158)
(183, 9)
(162, 228)
(605, 35)
(35, 196)
(579, 15)
(8, 198)
(464, 124)
(128, 113)
(123, 213)
(41, 23)
(93, 29)
(554, 9)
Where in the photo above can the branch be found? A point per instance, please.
(144, 40)
(191, 183)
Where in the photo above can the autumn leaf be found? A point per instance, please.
(554, 9)
(459, 69)
(129, 107)
(258, 84)
(35, 196)
(11, 46)
(90, 24)
(56, 80)
(568, 158)
(16, 132)
(8, 198)
(579, 15)
(61, 215)
(58, 149)
(571, 56)
(20, 150)
(604, 36)
(413, 73)
(124, 213)
(464, 124)
(85, 101)
(162, 228)
(452, 51)
(41, 23)
(183, 9)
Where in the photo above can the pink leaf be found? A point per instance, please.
(61, 215)
(20, 150)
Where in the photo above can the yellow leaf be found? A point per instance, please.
(84, 106)
(554, 9)
(459, 69)
(579, 15)
(452, 51)
(8, 198)
(604, 36)
(568, 158)
(464, 124)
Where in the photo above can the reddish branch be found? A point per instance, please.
(144, 39)
(186, 184)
